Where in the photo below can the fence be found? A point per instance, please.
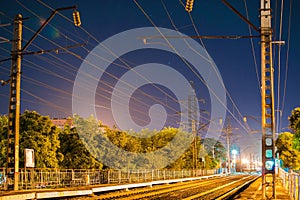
(58, 178)
(291, 182)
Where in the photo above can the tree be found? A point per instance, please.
(123, 150)
(287, 153)
(214, 148)
(295, 126)
(216, 152)
(76, 155)
(39, 133)
(295, 119)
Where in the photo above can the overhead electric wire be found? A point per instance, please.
(211, 63)
(35, 66)
(43, 69)
(94, 39)
(36, 82)
(112, 53)
(61, 76)
(227, 92)
(38, 67)
(253, 49)
(278, 116)
(39, 83)
(105, 47)
(61, 108)
(287, 57)
(169, 44)
(253, 54)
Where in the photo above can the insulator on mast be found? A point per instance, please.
(76, 18)
(189, 5)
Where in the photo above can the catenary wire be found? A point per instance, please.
(228, 94)
(287, 58)
(122, 60)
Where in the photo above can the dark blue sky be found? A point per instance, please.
(48, 79)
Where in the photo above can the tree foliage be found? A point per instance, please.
(287, 153)
(76, 155)
(295, 126)
(288, 144)
(295, 119)
(88, 143)
(39, 133)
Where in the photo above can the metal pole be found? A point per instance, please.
(14, 100)
(14, 107)
(195, 152)
(228, 132)
(228, 153)
(267, 95)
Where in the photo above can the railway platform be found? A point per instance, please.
(254, 191)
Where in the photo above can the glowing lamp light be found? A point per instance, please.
(245, 161)
(259, 164)
(189, 5)
(76, 18)
(269, 164)
(234, 152)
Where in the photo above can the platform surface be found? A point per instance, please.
(254, 191)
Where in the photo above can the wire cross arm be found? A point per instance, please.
(6, 59)
(45, 23)
(47, 51)
(203, 36)
(53, 50)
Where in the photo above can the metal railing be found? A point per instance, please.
(291, 182)
(34, 178)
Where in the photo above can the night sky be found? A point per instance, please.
(48, 79)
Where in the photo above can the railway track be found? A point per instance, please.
(214, 188)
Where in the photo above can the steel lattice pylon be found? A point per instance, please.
(267, 95)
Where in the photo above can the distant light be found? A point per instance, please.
(234, 151)
(259, 163)
(245, 161)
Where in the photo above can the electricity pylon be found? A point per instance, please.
(267, 99)
(267, 90)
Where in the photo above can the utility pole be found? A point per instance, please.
(228, 132)
(267, 96)
(195, 151)
(251, 162)
(191, 114)
(12, 168)
(192, 108)
(14, 107)
(267, 90)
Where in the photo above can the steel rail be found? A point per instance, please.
(158, 190)
(221, 188)
(237, 190)
(164, 191)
